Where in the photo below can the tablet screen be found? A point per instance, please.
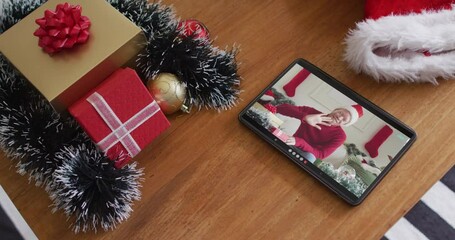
(317, 124)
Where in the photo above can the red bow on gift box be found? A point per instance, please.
(63, 28)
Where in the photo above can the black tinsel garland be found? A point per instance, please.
(100, 195)
(209, 74)
(58, 155)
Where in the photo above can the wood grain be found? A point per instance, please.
(209, 177)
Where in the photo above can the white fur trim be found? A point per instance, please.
(405, 36)
(354, 115)
(267, 98)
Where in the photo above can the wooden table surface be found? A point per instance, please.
(209, 177)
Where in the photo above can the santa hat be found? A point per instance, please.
(356, 112)
(268, 96)
(405, 40)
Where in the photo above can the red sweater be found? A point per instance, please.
(322, 142)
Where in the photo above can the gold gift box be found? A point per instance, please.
(66, 76)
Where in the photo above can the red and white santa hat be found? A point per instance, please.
(268, 96)
(356, 112)
(404, 41)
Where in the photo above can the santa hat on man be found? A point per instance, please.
(356, 112)
(404, 40)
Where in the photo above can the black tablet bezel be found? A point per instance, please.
(312, 169)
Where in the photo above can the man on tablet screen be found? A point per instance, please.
(319, 134)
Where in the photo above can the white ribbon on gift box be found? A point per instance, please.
(121, 132)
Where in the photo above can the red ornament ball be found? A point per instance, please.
(193, 28)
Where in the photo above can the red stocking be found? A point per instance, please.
(290, 87)
(373, 145)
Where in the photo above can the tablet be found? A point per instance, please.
(339, 137)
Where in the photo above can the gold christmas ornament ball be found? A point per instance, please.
(168, 92)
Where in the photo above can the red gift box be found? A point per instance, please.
(120, 116)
